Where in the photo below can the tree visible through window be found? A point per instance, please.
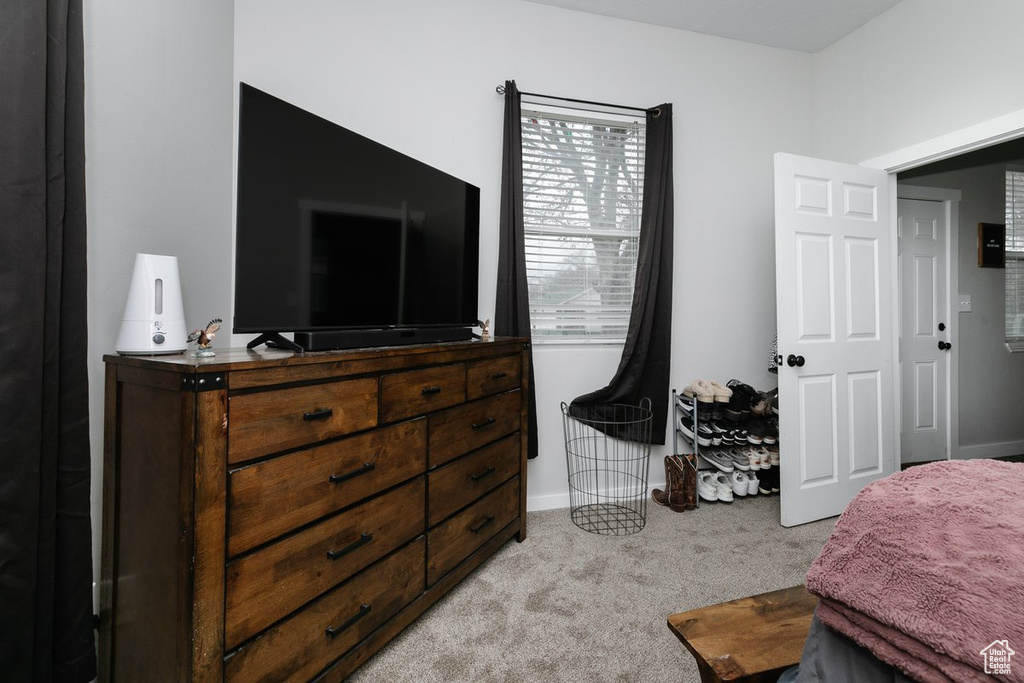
(582, 196)
(1014, 259)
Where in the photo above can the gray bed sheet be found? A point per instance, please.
(832, 657)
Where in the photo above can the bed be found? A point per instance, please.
(923, 579)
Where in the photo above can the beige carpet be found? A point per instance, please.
(567, 605)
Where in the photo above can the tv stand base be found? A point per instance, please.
(273, 340)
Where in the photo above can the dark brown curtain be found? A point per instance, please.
(643, 371)
(512, 300)
(46, 629)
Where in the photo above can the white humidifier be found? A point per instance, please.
(154, 318)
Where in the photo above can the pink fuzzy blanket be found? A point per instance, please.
(925, 568)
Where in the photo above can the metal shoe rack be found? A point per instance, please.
(676, 433)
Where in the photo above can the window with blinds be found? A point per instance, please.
(582, 195)
(1014, 259)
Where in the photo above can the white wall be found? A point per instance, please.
(924, 69)
(158, 115)
(420, 77)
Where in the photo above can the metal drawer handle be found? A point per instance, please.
(499, 375)
(364, 538)
(486, 423)
(428, 391)
(338, 478)
(364, 609)
(479, 527)
(318, 414)
(477, 477)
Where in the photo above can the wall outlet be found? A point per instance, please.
(965, 303)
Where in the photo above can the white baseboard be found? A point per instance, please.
(549, 502)
(990, 450)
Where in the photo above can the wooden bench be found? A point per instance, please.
(751, 639)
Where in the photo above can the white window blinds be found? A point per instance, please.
(582, 195)
(1014, 260)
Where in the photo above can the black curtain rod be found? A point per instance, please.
(501, 91)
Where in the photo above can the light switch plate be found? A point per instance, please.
(965, 303)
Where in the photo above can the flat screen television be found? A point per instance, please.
(343, 241)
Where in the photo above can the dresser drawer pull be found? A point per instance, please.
(430, 391)
(479, 527)
(318, 414)
(482, 425)
(364, 538)
(481, 475)
(338, 478)
(499, 375)
(364, 609)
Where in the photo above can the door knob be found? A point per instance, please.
(795, 361)
(945, 346)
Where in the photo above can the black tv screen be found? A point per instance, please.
(338, 232)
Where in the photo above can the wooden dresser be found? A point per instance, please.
(272, 516)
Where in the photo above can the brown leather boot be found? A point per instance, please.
(688, 486)
(662, 497)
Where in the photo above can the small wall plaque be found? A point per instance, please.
(991, 245)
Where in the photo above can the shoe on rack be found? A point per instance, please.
(739, 459)
(722, 487)
(718, 459)
(771, 431)
(706, 488)
(763, 486)
(753, 458)
(700, 389)
(704, 434)
(755, 430)
(773, 400)
(685, 427)
(722, 392)
(752, 484)
(766, 458)
(739, 483)
(759, 403)
(773, 457)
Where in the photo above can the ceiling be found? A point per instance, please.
(803, 25)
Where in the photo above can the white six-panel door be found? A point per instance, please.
(835, 253)
(926, 324)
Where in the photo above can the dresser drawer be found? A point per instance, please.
(272, 582)
(454, 540)
(300, 647)
(460, 430)
(270, 498)
(459, 483)
(493, 376)
(407, 394)
(269, 421)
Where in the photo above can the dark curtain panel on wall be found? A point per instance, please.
(512, 300)
(46, 629)
(643, 371)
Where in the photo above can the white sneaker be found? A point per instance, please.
(773, 458)
(739, 483)
(722, 487)
(752, 484)
(706, 488)
(753, 458)
(766, 458)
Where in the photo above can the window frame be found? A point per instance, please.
(542, 233)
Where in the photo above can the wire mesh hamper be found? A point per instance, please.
(607, 449)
